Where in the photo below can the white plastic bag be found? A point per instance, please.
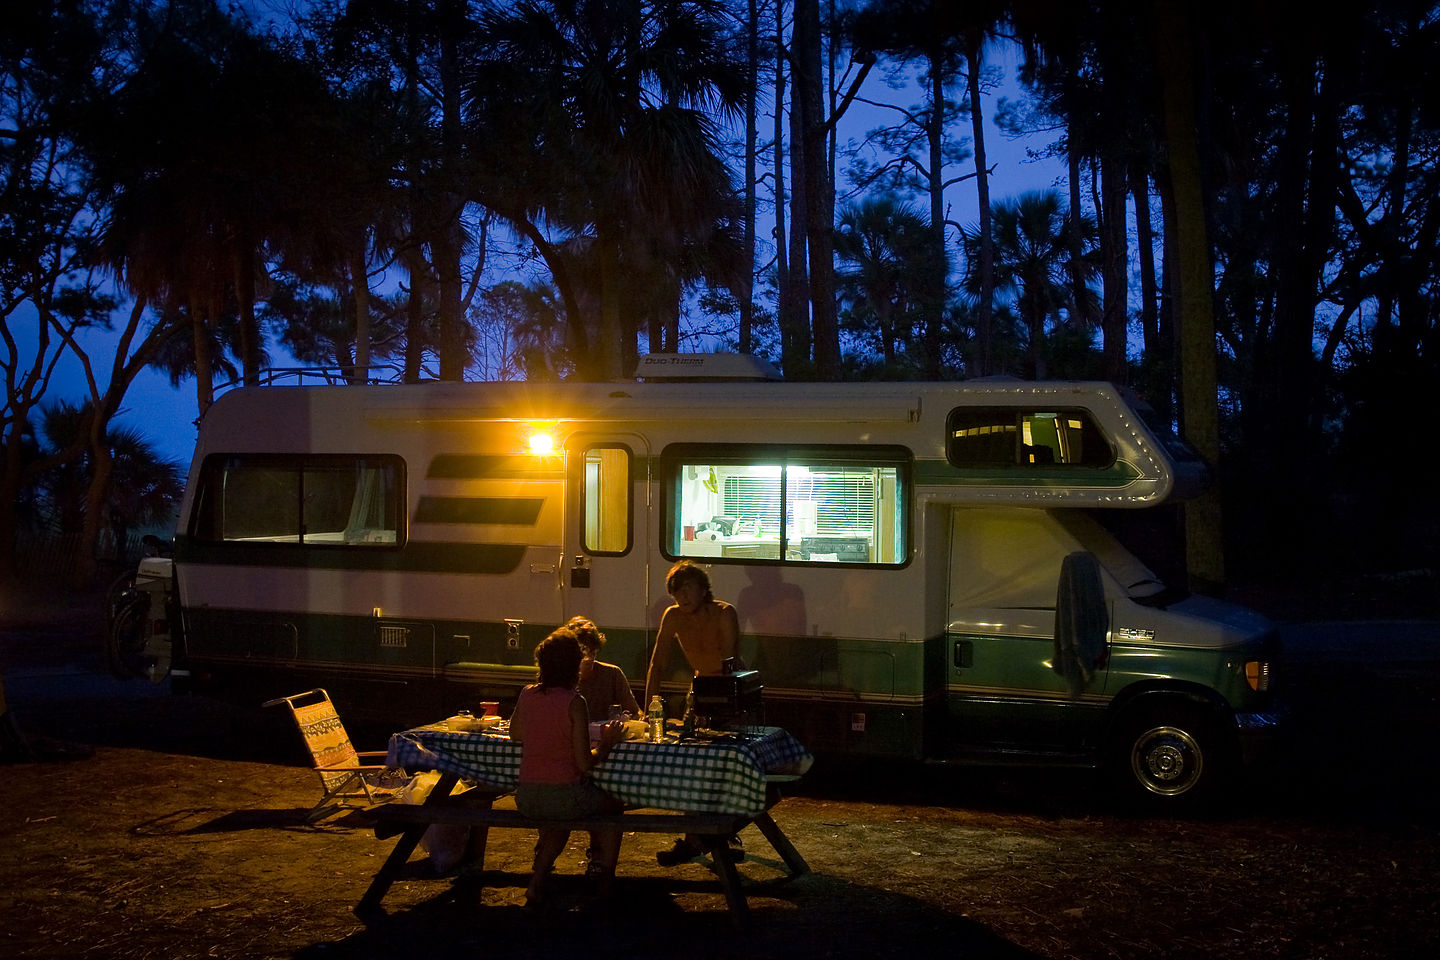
(446, 843)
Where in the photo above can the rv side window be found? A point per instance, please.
(319, 500)
(805, 507)
(1024, 438)
(607, 500)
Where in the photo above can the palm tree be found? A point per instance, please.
(887, 257)
(1032, 262)
(945, 36)
(598, 117)
(1081, 60)
(204, 153)
(143, 488)
(519, 332)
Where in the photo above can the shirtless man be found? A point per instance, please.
(708, 632)
(707, 629)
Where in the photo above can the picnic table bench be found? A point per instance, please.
(712, 828)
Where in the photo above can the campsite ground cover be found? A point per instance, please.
(181, 835)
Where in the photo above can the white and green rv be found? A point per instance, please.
(895, 552)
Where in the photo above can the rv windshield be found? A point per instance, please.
(1140, 547)
(1009, 557)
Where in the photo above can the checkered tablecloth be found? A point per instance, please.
(726, 775)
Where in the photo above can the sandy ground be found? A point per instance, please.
(182, 835)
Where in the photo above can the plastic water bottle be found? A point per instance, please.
(655, 716)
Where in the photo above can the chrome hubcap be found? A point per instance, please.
(1167, 760)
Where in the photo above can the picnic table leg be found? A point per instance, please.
(409, 840)
(718, 848)
(782, 845)
(479, 835)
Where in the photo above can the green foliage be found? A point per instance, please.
(252, 186)
(144, 491)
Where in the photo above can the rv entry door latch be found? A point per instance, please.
(964, 654)
(580, 573)
(512, 633)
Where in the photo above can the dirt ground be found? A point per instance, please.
(181, 835)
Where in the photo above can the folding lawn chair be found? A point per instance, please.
(342, 771)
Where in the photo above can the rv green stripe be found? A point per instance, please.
(480, 466)
(413, 557)
(941, 473)
(504, 510)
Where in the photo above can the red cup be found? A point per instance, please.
(689, 532)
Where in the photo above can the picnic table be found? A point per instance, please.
(710, 786)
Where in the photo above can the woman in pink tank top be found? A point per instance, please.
(552, 723)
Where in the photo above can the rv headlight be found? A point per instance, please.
(1257, 675)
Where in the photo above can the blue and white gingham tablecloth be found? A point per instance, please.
(726, 775)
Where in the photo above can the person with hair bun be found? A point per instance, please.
(603, 685)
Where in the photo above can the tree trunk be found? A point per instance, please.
(249, 328)
(799, 364)
(935, 294)
(445, 249)
(1145, 240)
(102, 467)
(819, 192)
(22, 396)
(1204, 544)
(608, 348)
(204, 363)
(415, 313)
(1156, 356)
(449, 235)
(1305, 202)
(745, 295)
(1115, 269)
(1034, 309)
(985, 309)
(360, 287)
(670, 321)
(1169, 314)
(1076, 241)
(784, 282)
(10, 479)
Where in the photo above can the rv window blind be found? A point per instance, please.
(843, 503)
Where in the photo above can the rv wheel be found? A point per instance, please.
(1168, 755)
(125, 635)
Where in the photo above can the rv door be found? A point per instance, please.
(1003, 692)
(609, 532)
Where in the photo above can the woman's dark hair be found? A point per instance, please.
(558, 657)
(587, 633)
(685, 570)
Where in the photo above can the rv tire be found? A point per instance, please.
(125, 636)
(1169, 756)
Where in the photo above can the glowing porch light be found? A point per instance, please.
(542, 443)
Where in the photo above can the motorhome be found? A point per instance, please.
(921, 570)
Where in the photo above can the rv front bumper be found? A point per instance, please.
(1261, 735)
